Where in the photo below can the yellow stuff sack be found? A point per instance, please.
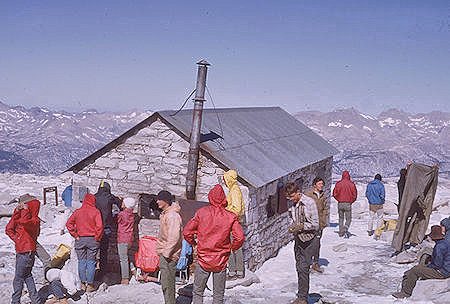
(61, 256)
(388, 225)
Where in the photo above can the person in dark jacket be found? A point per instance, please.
(345, 193)
(212, 226)
(104, 201)
(85, 225)
(23, 229)
(439, 268)
(375, 194)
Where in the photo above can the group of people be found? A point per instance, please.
(215, 230)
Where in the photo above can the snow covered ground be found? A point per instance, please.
(359, 272)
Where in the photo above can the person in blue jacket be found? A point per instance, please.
(375, 194)
(439, 268)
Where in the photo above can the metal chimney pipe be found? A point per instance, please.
(194, 146)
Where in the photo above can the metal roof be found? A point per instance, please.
(261, 144)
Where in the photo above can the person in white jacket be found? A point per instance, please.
(62, 285)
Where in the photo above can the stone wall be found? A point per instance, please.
(265, 236)
(154, 159)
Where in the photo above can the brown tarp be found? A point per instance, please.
(416, 205)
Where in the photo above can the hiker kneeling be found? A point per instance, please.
(62, 285)
(439, 268)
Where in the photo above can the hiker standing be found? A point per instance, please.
(375, 194)
(305, 227)
(85, 225)
(212, 226)
(401, 187)
(168, 245)
(23, 228)
(104, 202)
(439, 268)
(236, 269)
(125, 237)
(345, 193)
(319, 197)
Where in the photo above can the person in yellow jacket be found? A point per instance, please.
(235, 201)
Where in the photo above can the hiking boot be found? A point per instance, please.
(63, 301)
(400, 295)
(341, 234)
(315, 266)
(90, 288)
(231, 277)
(299, 301)
(370, 233)
(125, 281)
(83, 286)
(346, 235)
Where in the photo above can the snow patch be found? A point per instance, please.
(335, 124)
(367, 116)
(367, 128)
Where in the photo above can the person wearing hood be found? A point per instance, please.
(212, 226)
(24, 228)
(446, 224)
(104, 201)
(85, 225)
(375, 194)
(168, 245)
(125, 237)
(439, 268)
(345, 193)
(236, 269)
(318, 195)
(62, 284)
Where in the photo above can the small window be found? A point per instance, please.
(277, 203)
(272, 205)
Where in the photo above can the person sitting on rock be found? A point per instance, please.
(439, 268)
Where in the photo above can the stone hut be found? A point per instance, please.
(266, 146)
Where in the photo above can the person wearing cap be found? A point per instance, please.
(210, 231)
(85, 225)
(168, 245)
(23, 228)
(62, 284)
(125, 237)
(375, 194)
(104, 201)
(439, 268)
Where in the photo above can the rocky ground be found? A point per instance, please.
(356, 270)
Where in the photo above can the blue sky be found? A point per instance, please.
(301, 55)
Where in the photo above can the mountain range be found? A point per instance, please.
(43, 141)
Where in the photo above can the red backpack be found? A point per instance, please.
(146, 258)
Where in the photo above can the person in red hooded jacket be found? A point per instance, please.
(212, 225)
(345, 193)
(23, 229)
(85, 225)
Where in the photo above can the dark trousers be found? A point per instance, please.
(168, 269)
(24, 265)
(317, 249)
(423, 272)
(55, 288)
(104, 245)
(345, 212)
(304, 252)
(86, 248)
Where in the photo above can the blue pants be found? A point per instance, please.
(24, 265)
(54, 288)
(86, 249)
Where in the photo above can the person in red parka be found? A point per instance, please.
(212, 225)
(85, 225)
(345, 193)
(23, 229)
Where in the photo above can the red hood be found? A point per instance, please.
(89, 200)
(217, 197)
(345, 175)
(34, 206)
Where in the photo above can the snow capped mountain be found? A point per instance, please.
(43, 141)
(385, 143)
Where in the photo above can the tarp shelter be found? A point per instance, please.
(416, 205)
